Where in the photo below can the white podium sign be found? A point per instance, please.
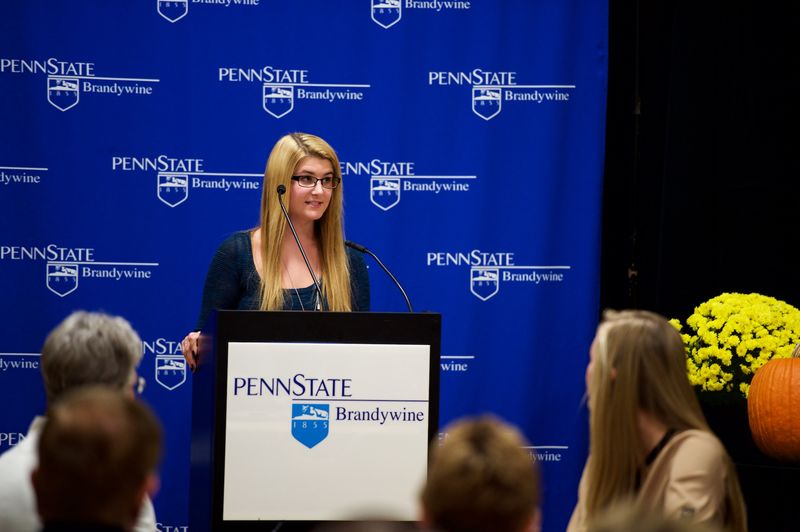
(325, 432)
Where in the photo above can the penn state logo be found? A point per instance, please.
(62, 93)
(173, 10)
(170, 371)
(278, 100)
(173, 189)
(487, 102)
(484, 282)
(386, 13)
(62, 279)
(384, 192)
(310, 423)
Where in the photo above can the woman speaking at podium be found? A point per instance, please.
(264, 268)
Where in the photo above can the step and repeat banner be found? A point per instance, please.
(133, 140)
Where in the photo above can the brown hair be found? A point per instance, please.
(481, 479)
(97, 450)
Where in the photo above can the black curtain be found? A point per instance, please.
(703, 160)
(702, 178)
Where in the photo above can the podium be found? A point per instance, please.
(306, 417)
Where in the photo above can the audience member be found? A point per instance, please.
(481, 479)
(632, 518)
(649, 440)
(98, 452)
(85, 349)
(376, 525)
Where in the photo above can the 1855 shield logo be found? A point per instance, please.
(491, 88)
(64, 266)
(173, 189)
(487, 270)
(278, 100)
(176, 175)
(387, 179)
(484, 282)
(487, 102)
(173, 10)
(67, 80)
(170, 371)
(386, 13)
(384, 192)
(62, 279)
(310, 423)
(281, 87)
(62, 93)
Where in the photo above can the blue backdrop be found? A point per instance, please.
(133, 137)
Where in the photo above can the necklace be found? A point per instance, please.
(316, 304)
(294, 287)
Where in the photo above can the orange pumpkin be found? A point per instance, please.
(773, 408)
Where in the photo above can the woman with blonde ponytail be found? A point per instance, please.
(263, 268)
(649, 442)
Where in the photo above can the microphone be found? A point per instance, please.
(362, 249)
(281, 191)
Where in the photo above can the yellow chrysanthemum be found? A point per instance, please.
(732, 335)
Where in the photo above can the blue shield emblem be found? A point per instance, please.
(62, 279)
(173, 189)
(278, 100)
(484, 282)
(63, 93)
(487, 101)
(173, 10)
(387, 13)
(170, 371)
(310, 423)
(384, 192)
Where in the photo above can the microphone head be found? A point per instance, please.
(357, 247)
(281, 190)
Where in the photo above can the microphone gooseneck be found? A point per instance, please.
(281, 191)
(362, 249)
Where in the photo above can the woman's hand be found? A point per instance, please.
(189, 349)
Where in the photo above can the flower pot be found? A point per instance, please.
(726, 414)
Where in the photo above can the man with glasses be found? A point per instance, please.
(86, 349)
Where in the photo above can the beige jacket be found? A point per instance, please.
(686, 480)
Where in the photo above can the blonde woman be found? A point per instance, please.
(649, 441)
(263, 269)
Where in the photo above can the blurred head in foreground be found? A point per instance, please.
(98, 453)
(480, 479)
(90, 348)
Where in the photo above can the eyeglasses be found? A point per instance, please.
(139, 384)
(308, 181)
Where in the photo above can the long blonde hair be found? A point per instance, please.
(283, 159)
(639, 365)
